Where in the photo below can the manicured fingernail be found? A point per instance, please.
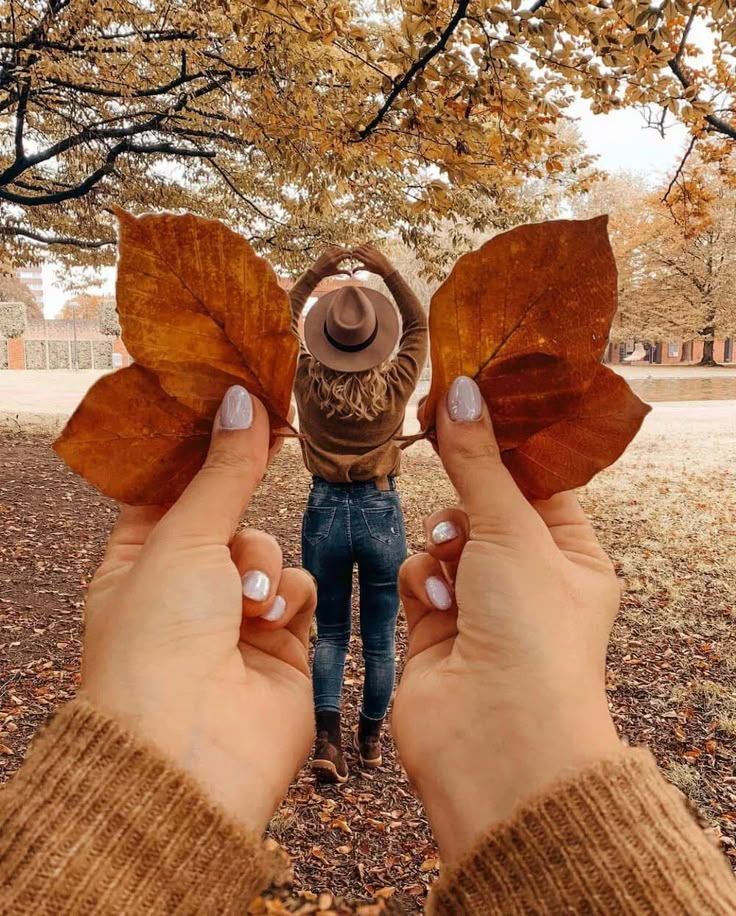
(438, 593)
(256, 585)
(464, 401)
(276, 611)
(444, 531)
(236, 411)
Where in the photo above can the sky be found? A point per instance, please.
(620, 139)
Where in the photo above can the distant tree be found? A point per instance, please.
(14, 290)
(676, 257)
(689, 256)
(85, 307)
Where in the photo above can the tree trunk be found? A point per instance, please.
(708, 333)
(708, 359)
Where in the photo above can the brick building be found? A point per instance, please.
(58, 344)
(67, 344)
(669, 352)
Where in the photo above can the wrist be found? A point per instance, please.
(479, 780)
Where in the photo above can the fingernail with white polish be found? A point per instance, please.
(256, 585)
(464, 401)
(276, 611)
(444, 532)
(438, 593)
(236, 411)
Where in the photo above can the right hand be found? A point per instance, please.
(328, 263)
(373, 260)
(504, 687)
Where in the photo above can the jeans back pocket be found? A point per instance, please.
(383, 524)
(317, 523)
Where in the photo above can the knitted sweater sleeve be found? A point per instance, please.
(96, 822)
(413, 347)
(612, 840)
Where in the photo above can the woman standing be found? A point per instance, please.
(353, 382)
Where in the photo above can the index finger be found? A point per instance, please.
(568, 525)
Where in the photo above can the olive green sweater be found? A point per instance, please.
(98, 822)
(343, 449)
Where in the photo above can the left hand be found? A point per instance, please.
(176, 653)
(328, 263)
(373, 260)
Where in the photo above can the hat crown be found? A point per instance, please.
(351, 329)
(351, 318)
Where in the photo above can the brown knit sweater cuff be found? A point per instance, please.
(97, 821)
(615, 838)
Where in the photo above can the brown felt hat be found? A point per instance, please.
(351, 329)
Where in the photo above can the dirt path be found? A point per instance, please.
(665, 513)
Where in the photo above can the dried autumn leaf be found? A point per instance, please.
(199, 312)
(528, 316)
(133, 441)
(416, 890)
(568, 453)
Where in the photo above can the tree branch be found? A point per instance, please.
(16, 231)
(20, 119)
(416, 68)
(239, 194)
(138, 94)
(686, 32)
(126, 147)
(680, 167)
(87, 135)
(718, 124)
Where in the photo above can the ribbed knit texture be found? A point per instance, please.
(612, 839)
(96, 822)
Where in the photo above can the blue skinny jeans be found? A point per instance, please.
(347, 524)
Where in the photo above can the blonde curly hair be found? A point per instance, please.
(358, 395)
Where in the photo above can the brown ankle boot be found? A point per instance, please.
(328, 762)
(368, 742)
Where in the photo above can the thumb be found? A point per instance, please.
(470, 454)
(211, 507)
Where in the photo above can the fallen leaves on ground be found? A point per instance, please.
(672, 665)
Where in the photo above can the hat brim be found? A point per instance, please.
(374, 354)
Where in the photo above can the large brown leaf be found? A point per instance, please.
(133, 441)
(528, 317)
(199, 311)
(568, 453)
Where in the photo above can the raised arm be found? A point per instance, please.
(413, 347)
(326, 265)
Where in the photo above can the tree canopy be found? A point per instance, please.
(300, 123)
